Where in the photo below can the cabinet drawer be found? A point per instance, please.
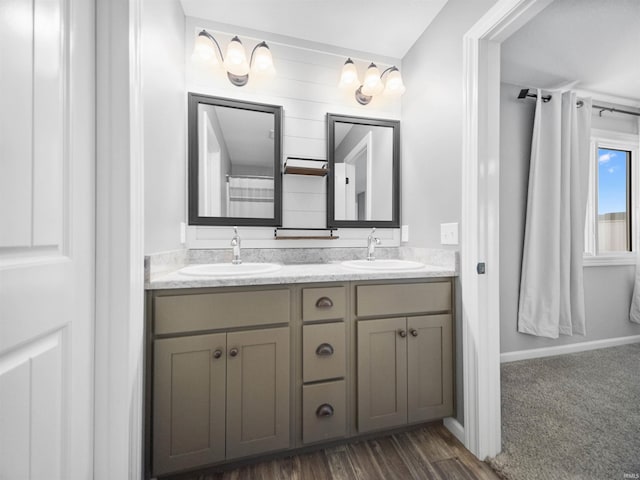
(405, 298)
(323, 303)
(323, 411)
(323, 351)
(207, 311)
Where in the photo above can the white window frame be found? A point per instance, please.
(617, 141)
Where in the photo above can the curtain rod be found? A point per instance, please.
(524, 93)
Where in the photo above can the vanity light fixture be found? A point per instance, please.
(207, 50)
(374, 82)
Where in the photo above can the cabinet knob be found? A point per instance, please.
(402, 332)
(233, 352)
(324, 349)
(324, 410)
(324, 302)
(217, 353)
(413, 332)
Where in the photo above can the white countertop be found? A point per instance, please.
(297, 273)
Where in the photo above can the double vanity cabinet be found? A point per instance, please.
(237, 372)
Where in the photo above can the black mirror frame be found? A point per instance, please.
(332, 119)
(194, 99)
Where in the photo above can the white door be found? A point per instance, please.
(47, 165)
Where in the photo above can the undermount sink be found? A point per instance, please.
(383, 265)
(229, 269)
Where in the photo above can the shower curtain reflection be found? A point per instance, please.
(249, 196)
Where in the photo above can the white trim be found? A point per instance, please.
(455, 427)
(624, 259)
(565, 349)
(119, 243)
(480, 220)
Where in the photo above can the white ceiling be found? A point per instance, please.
(384, 27)
(589, 45)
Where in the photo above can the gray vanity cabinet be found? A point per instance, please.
(257, 391)
(404, 363)
(429, 367)
(236, 372)
(382, 374)
(220, 396)
(221, 376)
(189, 402)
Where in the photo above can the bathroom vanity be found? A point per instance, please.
(246, 367)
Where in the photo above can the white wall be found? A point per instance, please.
(607, 289)
(432, 123)
(164, 123)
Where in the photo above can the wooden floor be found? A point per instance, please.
(430, 452)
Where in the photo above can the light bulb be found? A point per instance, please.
(236, 59)
(394, 84)
(372, 84)
(262, 60)
(204, 50)
(349, 76)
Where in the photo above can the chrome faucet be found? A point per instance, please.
(235, 243)
(371, 245)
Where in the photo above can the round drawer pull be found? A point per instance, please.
(324, 302)
(233, 352)
(413, 332)
(324, 349)
(217, 353)
(402, 332)
(324, 410)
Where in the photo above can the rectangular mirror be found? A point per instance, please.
(234, 162)
(364, 172)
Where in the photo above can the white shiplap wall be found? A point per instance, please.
(306, 85)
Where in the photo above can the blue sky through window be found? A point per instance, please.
(612, 180)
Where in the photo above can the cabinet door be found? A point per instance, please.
(430, 367)
(382, 373)
(189, 402)
(257, 391)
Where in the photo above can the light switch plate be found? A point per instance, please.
(404, 233)
(449, 233)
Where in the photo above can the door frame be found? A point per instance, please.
(480, 237)
(119, 331)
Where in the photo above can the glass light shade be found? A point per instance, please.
(204, 50)
(349, 76)
(372, 84)
(394, 84)
(262, 60)
(235, 60)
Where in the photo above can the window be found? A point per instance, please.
(613, 195)
(614, 201)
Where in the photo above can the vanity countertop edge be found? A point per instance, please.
(296, 273)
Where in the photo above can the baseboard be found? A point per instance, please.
(564, 349)
(455, 427)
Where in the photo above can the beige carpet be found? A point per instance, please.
(573, 416)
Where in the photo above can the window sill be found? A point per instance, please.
(609, 260)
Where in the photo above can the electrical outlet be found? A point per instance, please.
(449, 233)
(404, 233)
